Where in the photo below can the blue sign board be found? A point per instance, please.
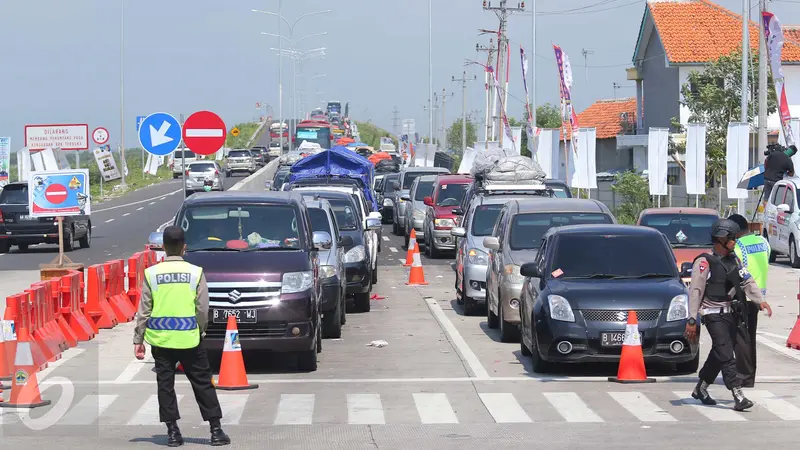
(139, 120)
(160, 134)
(59, 193)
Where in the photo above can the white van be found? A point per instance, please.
(176, 161)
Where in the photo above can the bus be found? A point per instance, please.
(314, 131)
(334, 107)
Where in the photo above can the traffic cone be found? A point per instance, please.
(232, 376)
(416, 276)
(179, 368)
(631, 362)
(7, 349)
(794, 337)
(412, 246)
(24, 387)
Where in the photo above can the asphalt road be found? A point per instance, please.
(444, 380)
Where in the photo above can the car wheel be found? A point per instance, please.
(492, 321)
(86, 240)
(690, 366)
(319, 333)
(459, 291)
(361, 302)
(189, 193)
(523, 349)
(5, 247)
(508, 331)
(69, 239)
(537, 363)
(772, 255)
(307, 361)
(434, 253)
(332, 322)
(395, 229)
(175, 175)
(375, 274)
(22, 247)
(343, 302)
(407, 238)
(793, 259)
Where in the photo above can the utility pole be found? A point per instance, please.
(430, 74)
(762, 85)
(464, 81)
(489, 108)
(740, 204)
(396, 121)
(444, 118)
(533, 62)
(586, 54)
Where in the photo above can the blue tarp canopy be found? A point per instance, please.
(339, 162)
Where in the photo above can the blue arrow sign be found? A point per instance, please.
(139, 120)
(160, 134)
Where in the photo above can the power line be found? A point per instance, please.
(584, 9)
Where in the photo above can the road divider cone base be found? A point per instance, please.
(24, 388)
(416, 276)
(412, 247)
(6, 355)
(794, 337)
(232, 374)
(631, 362)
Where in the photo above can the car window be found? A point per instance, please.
(388, 187)
(409, 177)
(424, 189)
(498, 225)
(779, 192)
(202, 167)
(682, 229)
(319, 220)
(15, 194)
(484, 219)
(789, 198)
(240, 227)
(576, 256)
(239, 154)
(346, 216)
(280, 179)
(527, 229)
(450, 194)
(559, 192)
(188, 154)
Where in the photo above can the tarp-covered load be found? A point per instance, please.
(494, 167)
(290, 158)
(387, 166)
(338, 162)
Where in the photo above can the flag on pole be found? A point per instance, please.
(565, 81)
(774, 36)
(499, 95)
(530, 129)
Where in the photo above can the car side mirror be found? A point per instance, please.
(322, 240)
(375, 215)
(346, 241)
(373, 224)
(783, 207)
(530, 270)
(458, 232)
(491, 243)
(268, 185)
(405, 198)
(458, 211)
(686, 270)
(428, 201)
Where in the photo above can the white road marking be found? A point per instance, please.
(571, 407)
(715, 413)
(232, 407)
(456, 339)
(132, 204)
(148, 413)
(402, 261)
(386, 238)
(788, 352)
(394, 250)
(140, 208)
(365, 409)
(88, 410)
(109, 220)
(773, 335)
(641, 407)
(434, 408)
(130, 372)
(773, 404)
(152, 203)
(126, 214)
(295, 409)
(504, 408)
(94, 226)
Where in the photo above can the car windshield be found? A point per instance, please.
(611, 256)
(239, 154)
(188, 154)
(424, 189)
(202, 167)
(319, 220)
(484, 219)
(527, 229)
(313, 135)
(450, 194)
(409, 178)
(346, 215)
(14, 195)
(240, 227)
(683, 230)
(388, 184)
(280, 178)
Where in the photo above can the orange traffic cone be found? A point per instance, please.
(412, 246)
(416, 276)
(793, 341)
(7, 349)
(24, 387)
(232, 376)
(631, 362)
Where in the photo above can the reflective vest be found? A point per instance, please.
(753, 252)
(723, 277)
(173, 321)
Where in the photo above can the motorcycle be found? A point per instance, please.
(208, 184)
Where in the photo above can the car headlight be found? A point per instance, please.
(293, 282)
(327, 271)
(419, 215)
(477, 257)
(560, 309)
(678, 308)
(512, 274)
(448, 223)
(355, 254)
(387, 202)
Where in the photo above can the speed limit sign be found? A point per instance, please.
(100, 136)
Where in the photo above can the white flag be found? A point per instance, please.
(737, 157)
(696, 159)
(657, 153)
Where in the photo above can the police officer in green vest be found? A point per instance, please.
(752, 250)
(172, 318)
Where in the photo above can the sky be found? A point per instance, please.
(62, 61)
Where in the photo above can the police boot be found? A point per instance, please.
(700, 392)
(742, 402)
(174, 437)
(218, 437)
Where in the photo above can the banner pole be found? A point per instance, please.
(60, 241)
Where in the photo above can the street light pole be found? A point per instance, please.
(122, 184)
(280, 77)
(430, 74)
(464, 81)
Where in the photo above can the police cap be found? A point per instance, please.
(724, 228)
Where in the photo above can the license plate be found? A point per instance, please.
(613, 339)
(24, 217)
(242, 315)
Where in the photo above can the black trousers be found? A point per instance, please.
(745, 348)
(198, 371)
(723, 329)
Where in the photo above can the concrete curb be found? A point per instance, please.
(255, 182)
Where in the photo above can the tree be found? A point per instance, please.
(454, 134)
(635, 193)
(713, 97)
(548, 116)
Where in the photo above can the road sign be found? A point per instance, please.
(59, 193)
(258, 105)
(65, 137)
(204, 132)
(235, 132)
(100, 136)
(160, 134)
(139, 120)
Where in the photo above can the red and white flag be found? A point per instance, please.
(774, 36)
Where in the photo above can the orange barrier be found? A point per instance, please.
(794, 337)
(136, 265)
(72, 306)
(25, 387)
(631, 362)
(58, 298)
(24, 319)
(115, 291)
(97, 306)
(232, 375)
(49, 318)
(41, 334)
(412, 246)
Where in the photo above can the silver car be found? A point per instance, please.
(415, 207)
(402, 187)
(240, 161)
(199, 172)
(515, 241)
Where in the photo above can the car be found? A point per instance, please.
(275, 149)
(280, 178)
(402, 187)
(688, 230)
(356, 259)
(560, 188)
(261, 260)
(199, 172)
(421, 188)
(18, 228)
(515, 240)
(377, 182)
(782, 221)
(261, 155)
(574, 304)
(240, 160)
(448, 191)
(385, 195)
(179, 158)
(331, 268)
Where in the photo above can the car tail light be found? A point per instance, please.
(187, 172)
(1, 217)
(216, 172)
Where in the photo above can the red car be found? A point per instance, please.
(448, 191)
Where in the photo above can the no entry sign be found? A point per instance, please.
(204, 133)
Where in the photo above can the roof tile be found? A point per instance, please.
(605, 116)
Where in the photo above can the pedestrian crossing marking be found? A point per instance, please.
(133, 369)
(148, 413)
(504, 408)
(232, 407)
(88, 410)
(717, 413)
(773, 404)
(295, 409)
(365, 409)
(571, 407)
(434, 408)
(641, 407)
